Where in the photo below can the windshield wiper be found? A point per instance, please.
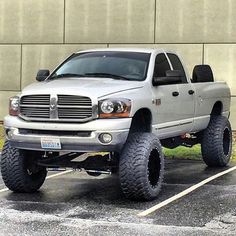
(103, 75)
(106, 75)
(66, 75)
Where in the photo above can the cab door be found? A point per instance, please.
(166, 103)
(186, 96)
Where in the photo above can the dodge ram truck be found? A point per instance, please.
(112, 111)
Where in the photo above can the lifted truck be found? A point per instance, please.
(126, 102)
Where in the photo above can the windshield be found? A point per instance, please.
(115, 65)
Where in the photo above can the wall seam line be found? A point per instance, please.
(104, 43)
(21, 65)
(155, 18)
(10, 90)
(64, 23)
(203, 53)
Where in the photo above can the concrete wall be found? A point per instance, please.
(39, 34)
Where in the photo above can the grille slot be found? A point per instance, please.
(68, 108)
(56, 132)
(35, 106)
(71, 100)
(74, 113)
(74, 107)
(35, 100)
(36, 112)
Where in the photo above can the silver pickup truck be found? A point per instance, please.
(127, 103)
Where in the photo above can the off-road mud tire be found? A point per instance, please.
(15, 173)
(217, 142)
(141, 167)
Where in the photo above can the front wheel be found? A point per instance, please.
(141, 167)
(20, 172)
(217, 142)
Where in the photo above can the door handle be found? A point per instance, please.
(191, 92)
(175, 94)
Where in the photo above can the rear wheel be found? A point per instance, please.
(141, 167)
(20, 172)
(217, 142)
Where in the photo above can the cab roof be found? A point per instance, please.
(143, 50)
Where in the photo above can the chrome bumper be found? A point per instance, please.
(73, 143)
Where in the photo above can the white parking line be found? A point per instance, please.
(48, 177)
(3, 190)
(185, 192)
(58, 174)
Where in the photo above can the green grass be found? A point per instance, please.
(193, 153)
(1, 143)
(1, 137)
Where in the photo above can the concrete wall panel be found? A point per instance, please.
(222, 58)
(110, 21)
(30, 21)
(10, 64)
(195, 21)
(35, 57)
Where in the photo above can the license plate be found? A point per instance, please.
(50, 143)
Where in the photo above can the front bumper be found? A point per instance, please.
(118, 128)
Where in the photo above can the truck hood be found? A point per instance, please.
(91, 87)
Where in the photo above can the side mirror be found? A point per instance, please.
(174, 73)
(172, 77)
(42, 75)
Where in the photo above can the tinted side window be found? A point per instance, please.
(177, 65)
(161, 66)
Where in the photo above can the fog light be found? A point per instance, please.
(105, 138)
(9, 133)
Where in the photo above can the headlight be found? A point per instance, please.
(111, 108)
(14, 106)
(107, 106)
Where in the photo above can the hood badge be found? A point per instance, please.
(53, 107)
(53, 103)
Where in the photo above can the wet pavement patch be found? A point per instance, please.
(199, 207)
(50, 208)
(77, 204)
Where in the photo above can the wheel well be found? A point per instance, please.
(141, 121)
(217, 109)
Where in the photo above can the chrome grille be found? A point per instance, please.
(67, 108)
(35, 106)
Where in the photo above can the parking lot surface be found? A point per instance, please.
(75, 203)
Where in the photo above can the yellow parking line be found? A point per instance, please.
(48, 177)
(185, 192)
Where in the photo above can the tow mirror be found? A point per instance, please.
(174, 73)
(42, 75)
(172, 77)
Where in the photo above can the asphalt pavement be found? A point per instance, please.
(78, 204)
